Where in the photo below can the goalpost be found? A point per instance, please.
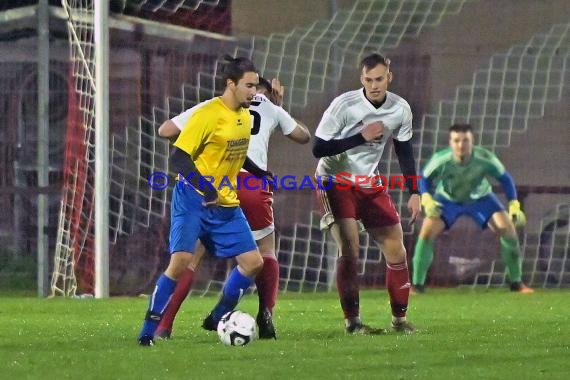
(77, 190)
(101, 46)
(88, 29)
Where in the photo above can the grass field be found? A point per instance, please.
(463, 334)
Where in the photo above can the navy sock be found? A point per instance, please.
(158, 302)
(235, 287)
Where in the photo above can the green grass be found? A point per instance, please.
(463, 334)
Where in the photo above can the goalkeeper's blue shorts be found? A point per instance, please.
(480, 210)
(224, 231)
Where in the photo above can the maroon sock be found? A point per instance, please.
(180, 293)
(267, 282)
(347, 286)
(398, 285)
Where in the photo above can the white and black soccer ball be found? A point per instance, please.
(237, 328)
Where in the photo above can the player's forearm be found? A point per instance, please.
(251, 167)
(300, 134)
(405, 152)
(425, 184)
(508, 184)
(323, 148)
(183, 164)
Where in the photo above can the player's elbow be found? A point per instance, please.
(318, 149)
(303, 137)
(168, 129)
(300, 135)
(162, 131)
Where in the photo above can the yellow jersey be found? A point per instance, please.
(217, 138)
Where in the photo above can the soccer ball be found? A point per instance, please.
(237, 328)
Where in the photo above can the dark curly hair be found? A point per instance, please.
(234, 68)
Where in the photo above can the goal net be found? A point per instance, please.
(168, 55)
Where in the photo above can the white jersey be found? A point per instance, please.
(346, 116)
(266, 117)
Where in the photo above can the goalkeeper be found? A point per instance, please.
(454, 183)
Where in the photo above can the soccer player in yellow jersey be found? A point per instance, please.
(208, 156)
(255, 200)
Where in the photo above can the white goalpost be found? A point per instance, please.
(101, 46)
(88, 28)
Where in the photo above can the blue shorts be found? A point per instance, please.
(480, 210)
(223, 230)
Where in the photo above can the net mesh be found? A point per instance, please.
(138, 214)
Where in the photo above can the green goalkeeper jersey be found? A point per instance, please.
(463, 182)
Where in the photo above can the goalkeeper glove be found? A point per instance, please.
(516, 214)
(432, 208)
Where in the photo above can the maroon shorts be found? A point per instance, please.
(373, 207)
(256, 204)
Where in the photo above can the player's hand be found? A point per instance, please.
(516, 214)
(269, 181)
(278, 92)
(432, 208)
(269, 176)
(210, 198)
(414, 207)
(373, 131)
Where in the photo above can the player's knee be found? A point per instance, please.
(507, 231)
(179, 261)
(258, 263)
(350, 247)
(395, 253)
(432, 238)
(255, 268)
(427, 235)
(505, 228)
(431, 229)
(402, 254)
(253, 265)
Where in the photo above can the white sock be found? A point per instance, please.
(350, 321)
(398, 320)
